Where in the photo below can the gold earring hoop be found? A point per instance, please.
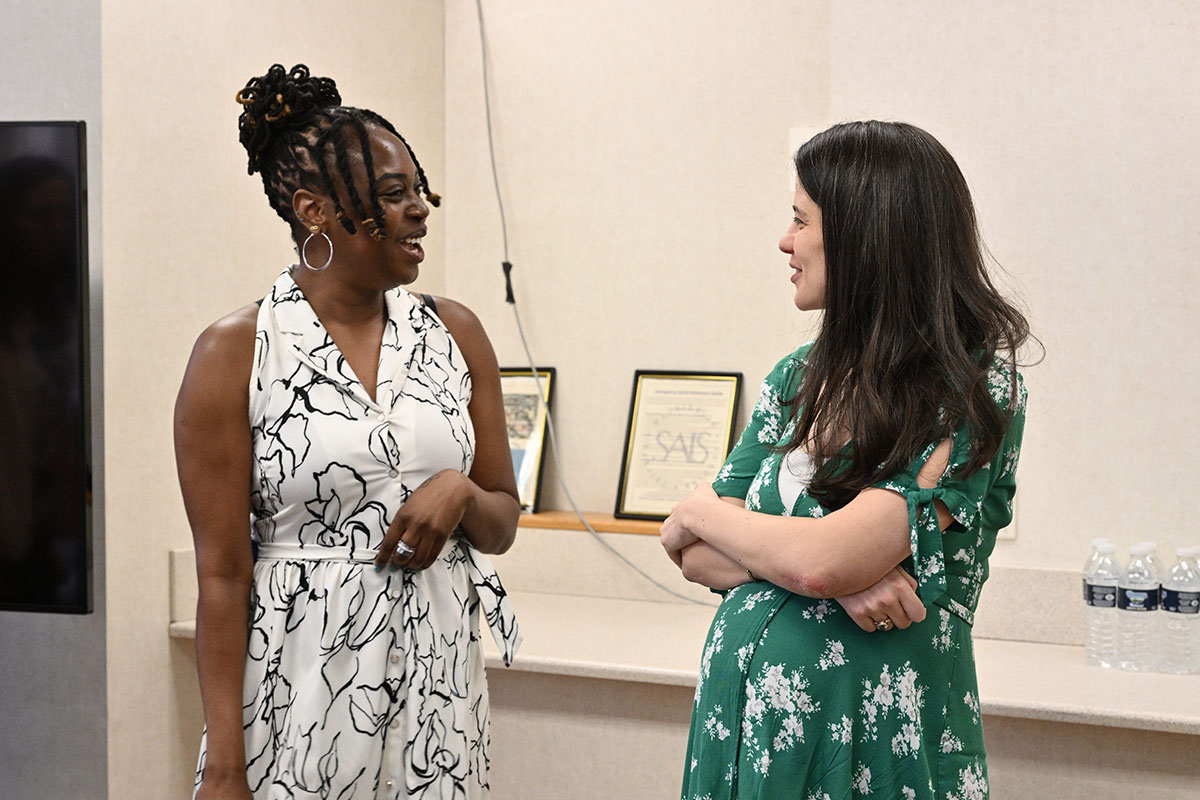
(316, 231)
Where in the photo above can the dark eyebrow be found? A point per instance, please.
(798, 212)
(399, 176)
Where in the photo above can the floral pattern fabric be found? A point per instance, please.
(794, 699)
(361, 684)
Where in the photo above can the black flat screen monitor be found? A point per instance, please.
(45, 453)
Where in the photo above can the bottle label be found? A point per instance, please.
(1099, 595)
(1137, 599)
(1181, 602)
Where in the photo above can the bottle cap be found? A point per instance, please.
(1106, 547)
(1099, 540)
(1142, 549)
(1149, 545)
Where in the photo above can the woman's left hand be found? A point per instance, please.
(426, 520)
(892, 601)
(682, 527)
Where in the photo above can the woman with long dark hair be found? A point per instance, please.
(865, 493)
(344, 463)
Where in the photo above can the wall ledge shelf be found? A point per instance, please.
(660, 643)
(601, 522)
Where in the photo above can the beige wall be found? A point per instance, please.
(1075, 124)
(559, 737)
(556, 737)
(190, 237)
(642, 152)
(643, 156)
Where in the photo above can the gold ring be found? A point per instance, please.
(884, 624)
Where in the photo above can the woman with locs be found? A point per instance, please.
(865, 494)
(360, 429)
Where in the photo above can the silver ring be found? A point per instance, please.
(884, 624)
(403, 550)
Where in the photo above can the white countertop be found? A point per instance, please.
(620, 640)
(590, 637)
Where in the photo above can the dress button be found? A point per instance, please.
(394, 594)
(395, 723)
(392, 473)
(389, 784)
(382, 416)
(395, 659)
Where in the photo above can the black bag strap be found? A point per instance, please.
(429, 302)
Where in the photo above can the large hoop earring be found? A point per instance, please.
(316, 231)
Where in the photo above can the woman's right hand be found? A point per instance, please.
(894, 597)
(426, 521)
(224, 787)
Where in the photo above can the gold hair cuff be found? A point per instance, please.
(282, 112)
(374, 229)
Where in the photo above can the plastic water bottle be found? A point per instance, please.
(1095, 556)
(1181, 615)
(1137, 617)
(1101, 575)
(1159, 566)
(1194, 557)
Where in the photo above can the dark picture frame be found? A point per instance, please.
(679, 431)
(528, 427)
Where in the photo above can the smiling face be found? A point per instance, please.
(805, 244)
(398, 256)
(359, 258)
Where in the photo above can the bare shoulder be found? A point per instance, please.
(458, 318)
(464, 326)
(223, 357)
(230, 339)
(468, 331)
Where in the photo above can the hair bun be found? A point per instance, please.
(278, 101)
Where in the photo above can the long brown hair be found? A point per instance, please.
(912, 321)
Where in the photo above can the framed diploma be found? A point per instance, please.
(679, 432)
(525, 414)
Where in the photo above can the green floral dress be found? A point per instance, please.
(794, 700)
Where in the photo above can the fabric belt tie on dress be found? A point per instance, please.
(929, 560)
(493, 599)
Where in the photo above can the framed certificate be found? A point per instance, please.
(679, 432)
(525, 414)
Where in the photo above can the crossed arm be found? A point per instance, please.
(851, 555)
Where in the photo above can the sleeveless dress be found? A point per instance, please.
(361, 684)
(794, 700)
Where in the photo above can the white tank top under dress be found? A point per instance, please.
(361, 684)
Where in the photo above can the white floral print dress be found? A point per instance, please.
(361, 684)
(794, 700)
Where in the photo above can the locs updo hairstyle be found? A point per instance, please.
(912, 322)
(296, 132)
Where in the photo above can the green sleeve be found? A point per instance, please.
(766, 427)
(980, 503)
